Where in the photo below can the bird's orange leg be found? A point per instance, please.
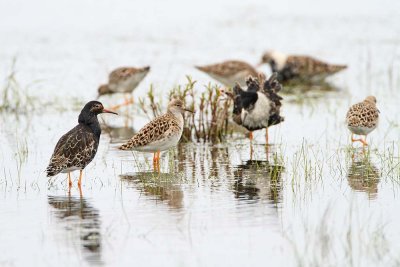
(354, 140)
(266, 136)
(80, 179)
(359, 140)
(251, 136)
(128, 101)
(156, 161)
(363, 141)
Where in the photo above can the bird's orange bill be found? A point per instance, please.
(109, 111)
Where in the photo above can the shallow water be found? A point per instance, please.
(309, 199)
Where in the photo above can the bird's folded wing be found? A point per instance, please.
(151, 132)
(75, 148)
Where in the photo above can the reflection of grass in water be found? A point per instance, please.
(347, 242)
(209, 123)
(163, 186)
(300, 93)
(21, 156)
(310, 164)
(390, 162)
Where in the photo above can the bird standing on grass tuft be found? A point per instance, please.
(299, 68)
(77, 148)
(259, 106)
(362, 118)
(160, 134)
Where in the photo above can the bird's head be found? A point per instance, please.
(370, 99)
(146, 69)
(92, 109)
(275, 59)
(103, 90)
(178, 106)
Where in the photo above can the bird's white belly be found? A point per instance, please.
(160, 145)
(71, 169)
(231, 81)
(259, 116)
(127, 85)
(360, 130)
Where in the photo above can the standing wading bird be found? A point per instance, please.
(259, 106)
(123, 80)
(362, 118)
(77, 148)
(299, 68)
(160, 134)
(230, 72)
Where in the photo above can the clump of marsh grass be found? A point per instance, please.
(13, 97)
(307, 163)
(209, 123)
(149, 105)
(390, 161)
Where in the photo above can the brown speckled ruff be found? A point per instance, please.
(161, 133)
(117, 80)
(363, 117)
(300, 67)
(158, 129)
(230, 72)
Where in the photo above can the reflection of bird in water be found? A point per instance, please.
(219, 160)
(75, 213)
(310, 91)
(118, 134)
(363, 176)
(257, 179)
(163, 186)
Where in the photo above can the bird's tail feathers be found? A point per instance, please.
(272, 84)
(127, 146)
(337, 68)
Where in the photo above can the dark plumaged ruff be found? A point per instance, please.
(77, 148)
(245, 102)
